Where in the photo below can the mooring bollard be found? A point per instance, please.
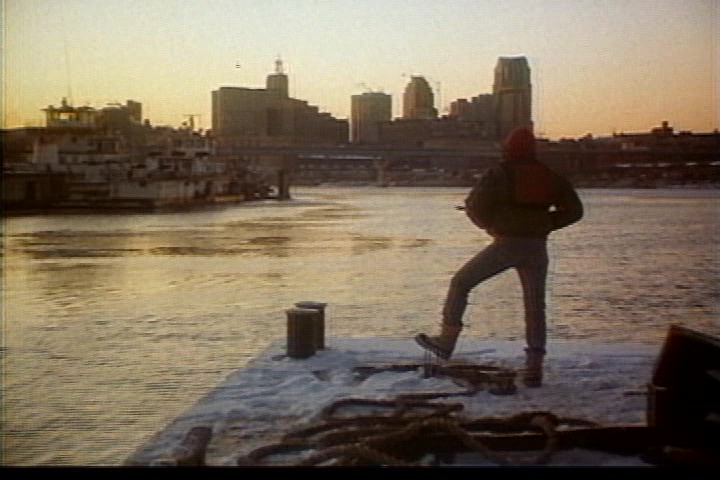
(301, 326)
(320, 321)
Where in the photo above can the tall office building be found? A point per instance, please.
(366, 112)
(479, 109)
(277, 83)
(513, 95)
(253, 116)
(418, 100)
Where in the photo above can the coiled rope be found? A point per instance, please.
(378, 439)
(385, 441)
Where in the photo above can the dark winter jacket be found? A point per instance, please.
(522, 199)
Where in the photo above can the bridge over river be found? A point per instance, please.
(282, 161)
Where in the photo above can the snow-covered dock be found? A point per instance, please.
(274, 394)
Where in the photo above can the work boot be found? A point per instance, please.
(441, 345)
(533, 372)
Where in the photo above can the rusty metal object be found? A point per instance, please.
(319, 327)
(301, 328)
(684, 394)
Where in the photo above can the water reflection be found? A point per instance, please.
(313, 233)
(64, 282)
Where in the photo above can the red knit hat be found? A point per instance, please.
(519, 145)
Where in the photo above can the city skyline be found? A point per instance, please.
(597, 67)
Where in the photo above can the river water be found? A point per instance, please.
(115, 324)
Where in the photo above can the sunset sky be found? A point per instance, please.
(597, 66)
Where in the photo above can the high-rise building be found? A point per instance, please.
(480, 110)
(513, 95)
(418, 100)
(277, 83)
(253, 116)
(134, 110)
(366, 112)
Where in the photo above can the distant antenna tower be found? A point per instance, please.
(191, 117)
(66, 51)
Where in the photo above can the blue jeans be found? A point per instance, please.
(530, 258)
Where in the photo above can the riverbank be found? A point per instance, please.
(637, 183)
(586, 183)
(149, 207)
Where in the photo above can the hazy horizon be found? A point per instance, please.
(597, 67)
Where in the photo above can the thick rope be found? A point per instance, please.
(370, 444)
(353, 451)
(351, 440)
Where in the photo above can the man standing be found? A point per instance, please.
(519, 203)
